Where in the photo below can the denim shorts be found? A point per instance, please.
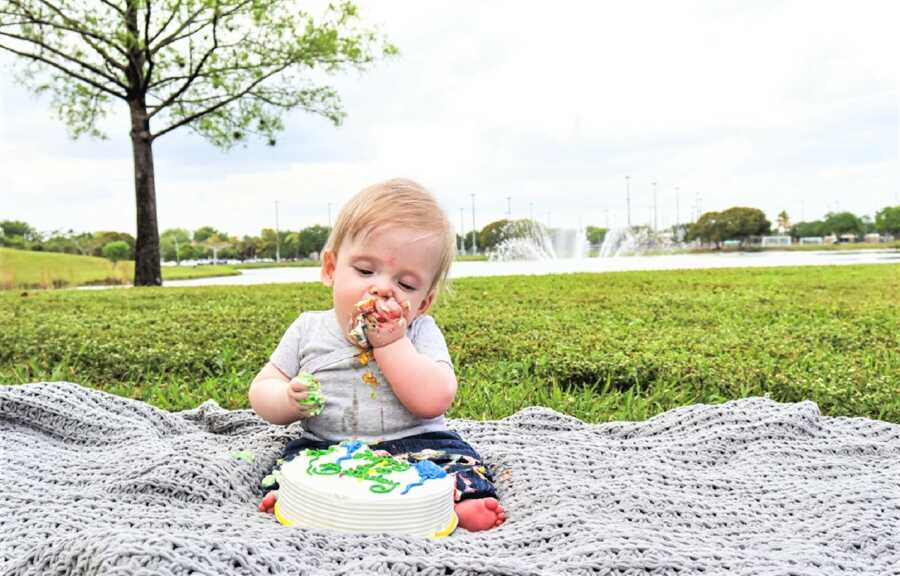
(446, 449)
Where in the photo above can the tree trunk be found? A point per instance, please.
(146, 247)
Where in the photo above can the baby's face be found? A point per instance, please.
(396, 261)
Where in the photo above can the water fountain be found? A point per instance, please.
(631, 241)
(529, 240)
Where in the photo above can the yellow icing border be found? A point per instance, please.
(281, 518)
(454, 522)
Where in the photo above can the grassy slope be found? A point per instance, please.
(28, 269)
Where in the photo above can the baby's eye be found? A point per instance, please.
(407, 287)
(363, 271)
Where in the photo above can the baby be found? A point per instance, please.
(376, 367)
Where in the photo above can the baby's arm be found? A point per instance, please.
(270, 397)
(426, 387)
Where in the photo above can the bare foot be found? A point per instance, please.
(268, 503)
(480, 514)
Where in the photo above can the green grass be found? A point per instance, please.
(894, 245)
(26, 269)
(598, 346)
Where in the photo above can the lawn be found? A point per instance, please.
(27, 269)
(597, 346)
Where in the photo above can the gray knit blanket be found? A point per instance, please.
(92, 483)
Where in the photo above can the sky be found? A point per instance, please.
(527, 109)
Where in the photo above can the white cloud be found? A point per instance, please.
(770, 104)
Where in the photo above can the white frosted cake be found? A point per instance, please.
(348, 487)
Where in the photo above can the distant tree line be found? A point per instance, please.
(203, 243)
(736, 223)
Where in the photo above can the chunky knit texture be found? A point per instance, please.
(91, 483)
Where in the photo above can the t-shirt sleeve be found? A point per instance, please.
(428, 339)
(286, 356)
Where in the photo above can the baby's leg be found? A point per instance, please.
(476, 514)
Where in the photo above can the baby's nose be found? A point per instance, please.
(382, 287)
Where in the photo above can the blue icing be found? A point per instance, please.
(351, 448)
(427, 470)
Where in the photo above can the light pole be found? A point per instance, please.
(655, 219)
(462, 232)
(277, 236)
(509, 207)
(628, 198)
(677, 208)
(474, 234)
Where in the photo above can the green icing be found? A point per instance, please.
(244, 455)
(371, 468)
(268, 481)
(314, 402)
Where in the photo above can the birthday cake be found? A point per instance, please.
(350, 488)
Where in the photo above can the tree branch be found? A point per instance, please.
(173, 37)
(187, 84)
(166, 24)
(176, 35)
(66, 71)
(119, 10)
(147, 56)
(225, 102)
(85, 34)
(63, 55)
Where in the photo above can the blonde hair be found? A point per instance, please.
(397, 202)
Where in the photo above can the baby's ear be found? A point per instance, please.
(426, 304)
(329, 261)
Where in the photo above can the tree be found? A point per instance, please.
(173, 239)
(596, 235)
(204, 233)
(887, 220)
(18, 228)
(742, 223)
(493, 234)
(313, 239)
(116, 251)
(808, 229)
(216, 243)
(710, 227)
(784, 222)
(838, 223)
(104, 237)
(225, 69)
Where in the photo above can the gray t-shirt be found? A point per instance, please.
(359, 402)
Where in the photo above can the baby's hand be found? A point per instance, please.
(393, 319)
(304, 392)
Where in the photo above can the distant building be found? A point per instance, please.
(874, 238)
(769, 241)
(812, 240)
